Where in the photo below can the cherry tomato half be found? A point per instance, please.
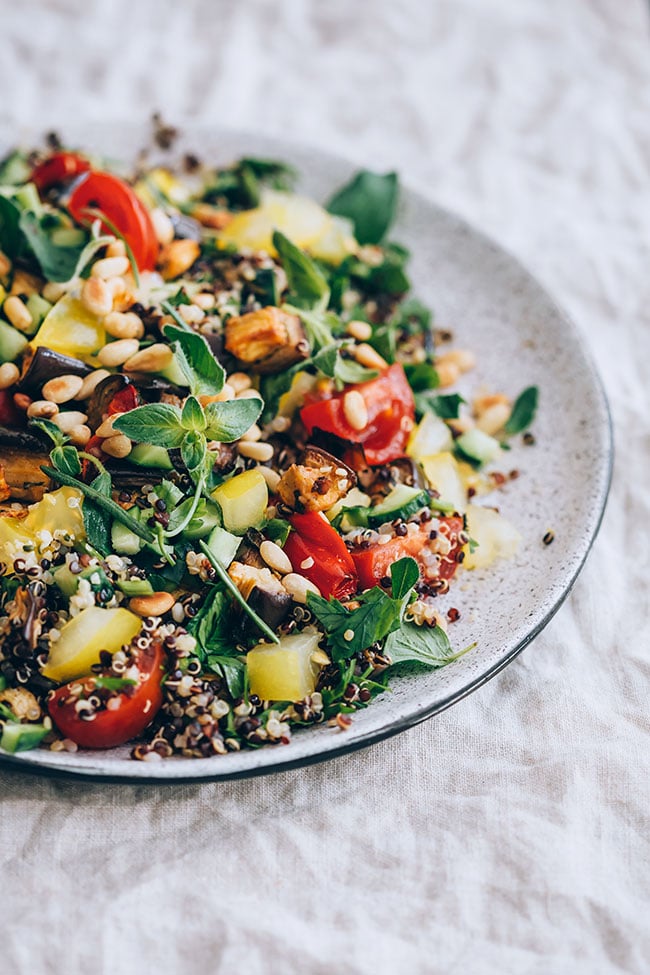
(373, 563)
(135, 709)
(317, 551)
(390, 407)
(117, 200)
(59, 168)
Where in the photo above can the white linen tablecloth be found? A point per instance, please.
(511, 833)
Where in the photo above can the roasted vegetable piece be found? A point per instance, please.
(85, 636)
(316, 482)
(263, 593)
(42, 364)
(268, 340)
(317, 551)
(289, 670)
(21, 455)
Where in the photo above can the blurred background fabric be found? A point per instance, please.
(511, 833)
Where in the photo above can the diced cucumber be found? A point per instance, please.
(123, 540)
(402, 502)
(27, 197)
(223, 545)
(15, 168)
(135, 587)
(174, 373)
(145, 455)
(477, 447)
(12, 342)
(167, 492)
(66, 581)
(21, 737)
(38, 308)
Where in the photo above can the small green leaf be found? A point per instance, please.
(523, 412)
(158, 424)
(351, 371)
(422, 376)
(307, 283)
(369, 200)
(229, 420)
(11, 238)
(204, 374)
(56, 435)
(447, 407)
(403, 576)
(193, 450)
(97, 521)
(56, 262)
(66, 459)
(377, 616)
(428, 645)
(192, 415)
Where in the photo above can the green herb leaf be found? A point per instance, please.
(277, 530)
(211, 625)
(193, 450)
(97, 521)
(56, 262)
(374, 619)
(307, 283)
(66, 459)
(229, 420)
(158, 424)
(320, 325)
(428, 645)
(204, 374)
(369, 200)
(350, 371)
(180, 298)
(447, 407)
(113, 683)
(192, 415)
(56, 435)
(235, 593)
(403, 576)
(422, 376)
(523, 412)
(233, 671)
(11, 238)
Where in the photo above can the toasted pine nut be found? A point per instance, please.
(252, 435)
(123, 325)
(226, 393)
(448, 372)
(361, 331)
(494, 418)
(204, 300)
(366, 355)
(5, 265)
(153, 359)
(80, 435)
(18, 313)
(25, 283)
(246, 394)
(239, 381)
(116, 249)
(463, 358)
(91, 381)
(275, 558)
(70, 419)
(62, 388)
(256, 451)
(96, 296)
(105, 429)
(9, 373)
(22, 401)
(178, 257)
(355, 410)
(117, 353)
(483, 403)
(191, 314)
(162, 226)
(42, 409)
(110, 267)
(271, 477)
(280, 424)
(155, 604)
(298, 587)
(53, 290)
(117, 446)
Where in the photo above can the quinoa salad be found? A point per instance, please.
(236, 471)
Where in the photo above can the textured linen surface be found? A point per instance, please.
(509, 834)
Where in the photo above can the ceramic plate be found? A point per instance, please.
(495, 307)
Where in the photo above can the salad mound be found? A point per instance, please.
(236, 479)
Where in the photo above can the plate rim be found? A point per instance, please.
(94, 774)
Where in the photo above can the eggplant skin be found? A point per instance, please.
(22, 475)
(272, 607)
(45, 364)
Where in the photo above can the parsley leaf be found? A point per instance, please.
(523, 412)
(369, 200)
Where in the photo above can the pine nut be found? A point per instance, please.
(69, 420)
(116, 249)
(9, 373)
(96, 297)
(117, 353)
(162, 225)
(271, 477)
(483, 403)
(252, 435)
(25, 283)
(62, 388)
(247, 394)
(204, 300)
(298, 587)
(448, 372)
(226, 393)
(110, 267)
(256, 451)
(155, 604)
(105, 429)
(42, 409)
(178, 257)
(18, 313)
(5, 265)
(117, 446)
(366, 355)
(361, 331)
(123, 325)
(80, 435)
(154, 359)
(191, 314)
(52, 291)
(275, 558)
(239, 382)
(280, 424)
(463, 358)
(91, 381)
(355, 410)
(494, 418)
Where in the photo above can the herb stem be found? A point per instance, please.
(188, 517)
(170, 310)
(100, 215)
(234, 591)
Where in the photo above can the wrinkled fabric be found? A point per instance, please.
(510, 833)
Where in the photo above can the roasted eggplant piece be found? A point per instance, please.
(264, 593)
(266, 341)
(103, 394)
(21, 455)
(42, 364)
(316, 482)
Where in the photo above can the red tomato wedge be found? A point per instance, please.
(116, 199)
(57, 169)
(134, 710)
(391, 410)
(317, 551)
(373, 563)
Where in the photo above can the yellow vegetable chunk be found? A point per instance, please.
(84, 637)
(444, 475)
(58, 511)
(301, 219)
(431, 436)
(71, 329)
(287, 671)
(243, 500)
(497, 538)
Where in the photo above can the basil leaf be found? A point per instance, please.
(421, 377)
(277, 530)
(233, 671)
(523, 412)
(447, 407)
(204, 374)
(192, 415)
(10, 235)
(369, 200)
(307, 283)
(377, 616)
(319, 325)
(66, 459)
(428, 645)
(229, 420)
(56, 262)
(158, 424)
(193, 450)
(403, 576)
(351, 371)
(211, 625)
(97, 522)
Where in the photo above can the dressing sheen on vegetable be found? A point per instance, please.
(237, 477)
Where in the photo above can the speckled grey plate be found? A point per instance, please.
(521, 337)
